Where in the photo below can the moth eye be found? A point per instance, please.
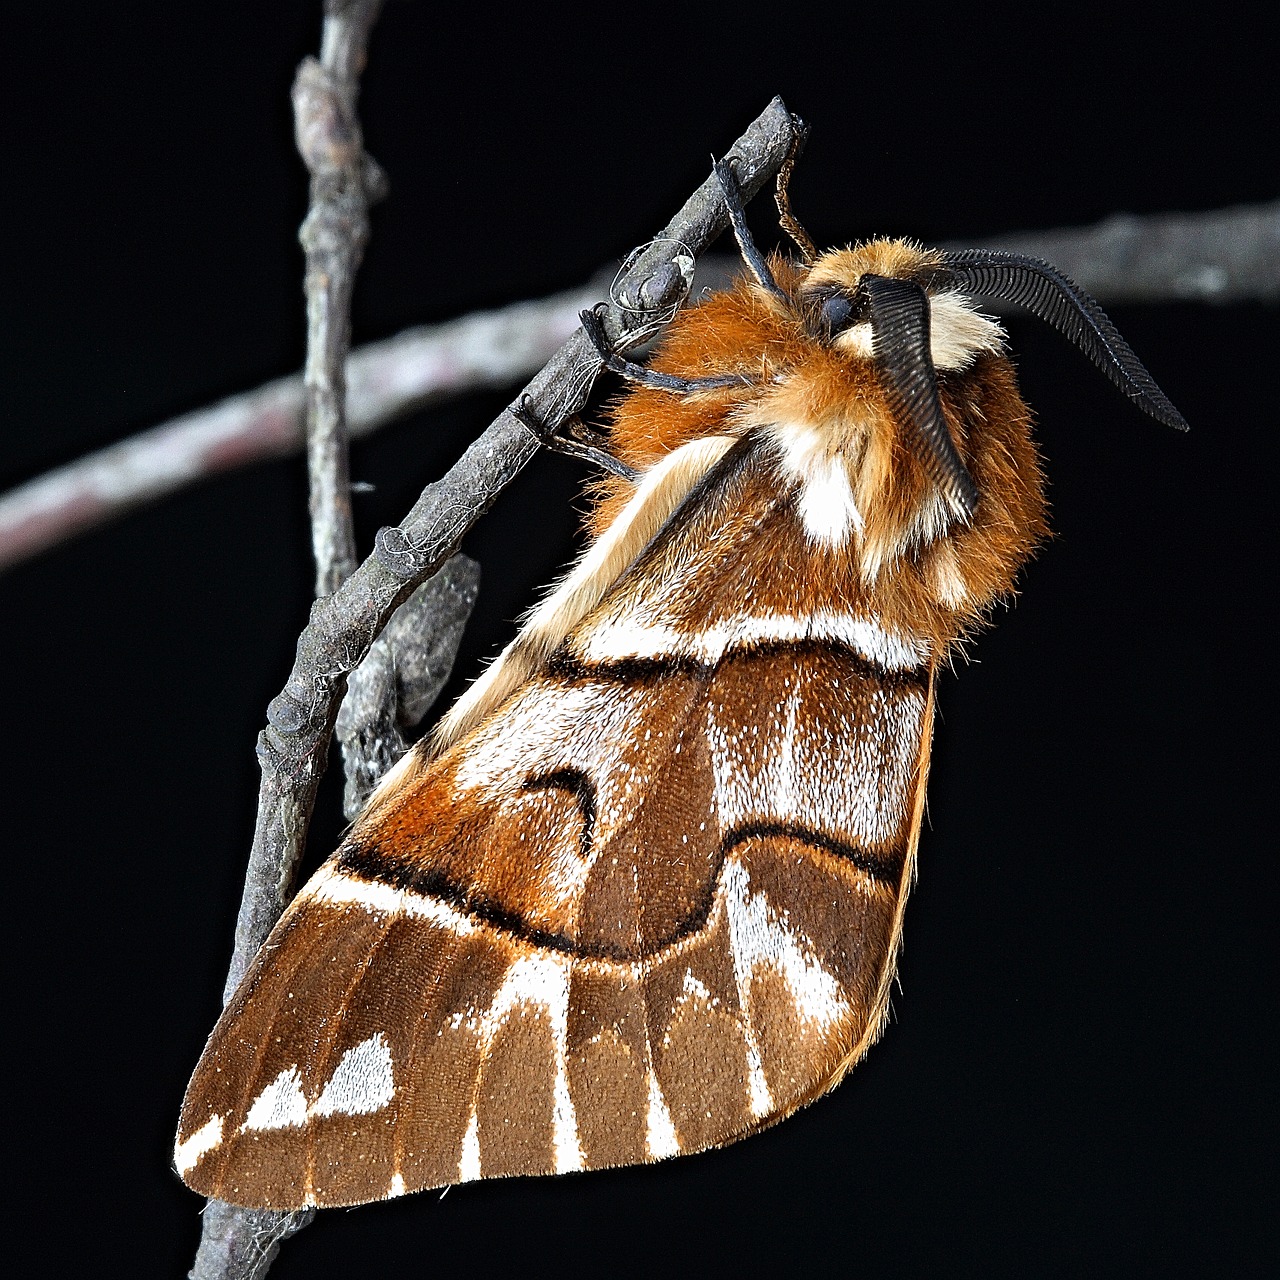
(837, 313)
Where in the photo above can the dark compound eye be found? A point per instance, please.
(837, 312)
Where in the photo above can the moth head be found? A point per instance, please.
(890, 301)
(914, 312)
(836, 301)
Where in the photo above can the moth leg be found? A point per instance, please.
(787, 220)
(751, 255)
(650, 377)
(567, 444)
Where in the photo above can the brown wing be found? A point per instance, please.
(648, 906)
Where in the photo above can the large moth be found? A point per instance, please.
(641, 892)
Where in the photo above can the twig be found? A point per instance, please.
(241, 1244)
(238, 1243)
(344, 625)
(1226, 255)
(402, 675)
(1230, 255)
(344, 181)
(385, 381)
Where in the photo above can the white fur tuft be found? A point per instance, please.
(826, 504)
(958, 333)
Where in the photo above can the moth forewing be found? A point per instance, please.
(643, 893)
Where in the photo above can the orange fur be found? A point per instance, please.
(933, 586)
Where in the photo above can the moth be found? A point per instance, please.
(641, 892)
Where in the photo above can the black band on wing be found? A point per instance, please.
(899, 311)
(368, 861)
(883, 867)
(1046, 292)
(564, 665)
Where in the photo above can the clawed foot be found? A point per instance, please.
(588, 449)
(644, 377)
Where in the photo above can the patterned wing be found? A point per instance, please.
(649, 905)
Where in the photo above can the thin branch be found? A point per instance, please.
(344, 181)
(1230, 255)
(238, 1243)
(1225, 255)
(385, 381)
(241, 1244)
(343, 626)
(401, 677)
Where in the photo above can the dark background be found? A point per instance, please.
(1073, 1081)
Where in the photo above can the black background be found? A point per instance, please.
(1073, 1081)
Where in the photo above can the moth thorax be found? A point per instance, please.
(821, 460)
(855, 489)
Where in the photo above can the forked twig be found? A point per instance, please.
(236, 1242)
(344, 625)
